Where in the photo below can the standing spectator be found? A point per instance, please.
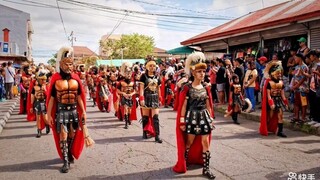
(291, 63)
(303, 47)
(10, 73)
(249, 83)
(17, 79)
(313, 57)
(221, 81)
(213, 76)
(2, 91)
(229, 72)
(239, 69)
(299, 85)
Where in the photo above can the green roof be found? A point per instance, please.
(118, 62)
(181, 50)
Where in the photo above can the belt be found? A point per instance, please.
(67, 106)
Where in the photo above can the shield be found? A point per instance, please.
(247, 106)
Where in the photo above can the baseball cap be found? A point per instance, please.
(302, 39)
(262, 58)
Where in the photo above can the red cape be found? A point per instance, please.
(195, 152)
(32, 116)
(267, 124)
(78, 143)
(98, 100)
(176, 99)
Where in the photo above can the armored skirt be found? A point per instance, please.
(40, 107)
(198, 120)
(237, 100)
(126, 101)
(67, 116)
(278, 103)
(151, 99)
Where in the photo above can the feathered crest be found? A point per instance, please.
(125, 68)
(63, 52)
(168, 73)
(273, 65)
(193, 60)
(42, 74)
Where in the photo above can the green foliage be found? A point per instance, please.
(52, 61)
(133, 46)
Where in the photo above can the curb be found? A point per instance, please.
(4, 118)
(306, 128)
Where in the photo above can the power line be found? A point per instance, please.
(102, 7)
(64, 28)
(177, 8)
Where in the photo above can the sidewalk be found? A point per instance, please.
(6, 109)
(255, 116)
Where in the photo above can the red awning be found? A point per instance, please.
(278, 15)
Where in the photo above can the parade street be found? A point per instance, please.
(238, 152)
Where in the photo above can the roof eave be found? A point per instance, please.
(260, 27)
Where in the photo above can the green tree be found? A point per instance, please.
(53, 60)
(133, 46)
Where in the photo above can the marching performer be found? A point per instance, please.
(38, 91)
(126, 90)
(194, 121)
(24, 86)
(236, 100)
(92, 80)
(273, 100)
(150, 98)
(104, 96)
(67, 110)
(112, 81)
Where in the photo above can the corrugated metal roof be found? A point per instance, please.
(81, 51)
(280, 14)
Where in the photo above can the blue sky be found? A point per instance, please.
(89, 25)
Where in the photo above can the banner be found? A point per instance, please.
(5, 47)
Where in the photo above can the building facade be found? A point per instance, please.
(16, 30)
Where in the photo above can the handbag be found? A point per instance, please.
(15, 90)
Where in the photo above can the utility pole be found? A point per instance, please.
(71, 38)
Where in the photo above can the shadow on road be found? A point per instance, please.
(19, 127)
(165, 173)
(18, 136)
(46, 164)
(120, 139)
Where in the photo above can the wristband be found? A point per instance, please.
(285, 101)
(83, 121)
(182, 119)
(182, 124)
(141, 98)
(270, 101)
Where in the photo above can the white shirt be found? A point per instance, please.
(10, 77)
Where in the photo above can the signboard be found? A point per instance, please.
(5, 47)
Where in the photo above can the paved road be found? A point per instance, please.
(239, 152)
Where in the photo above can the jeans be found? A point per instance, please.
(250, 95)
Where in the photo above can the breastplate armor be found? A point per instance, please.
(276, 88)
(67, 91)
(197, 98)
(152, 84)
(26, 81)
(127, 87)
(237, 88)
(39, 92)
